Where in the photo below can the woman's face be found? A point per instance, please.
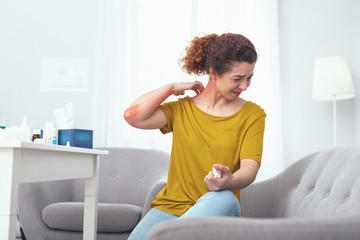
(232, 83)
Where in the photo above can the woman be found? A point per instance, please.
(215, 129)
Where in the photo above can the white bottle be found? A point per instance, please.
(47, 133)
(216, 173)
(25, 130)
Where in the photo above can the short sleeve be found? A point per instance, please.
(168, 109)
(252, 145)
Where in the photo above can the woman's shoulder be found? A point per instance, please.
(254, 108)
(184, 101)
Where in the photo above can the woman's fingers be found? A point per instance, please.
(199, 87)
(181, 87)
(212, 182)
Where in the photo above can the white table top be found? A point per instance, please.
(42, 146)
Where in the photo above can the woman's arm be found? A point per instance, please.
(145, 113)
(237, 181)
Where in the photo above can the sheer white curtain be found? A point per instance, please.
(140, 43)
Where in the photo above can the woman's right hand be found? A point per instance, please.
(145, 113)
(179, 88)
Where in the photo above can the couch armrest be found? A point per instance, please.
(153, 192)
(260, 207)
(214, 228)
(266, 199)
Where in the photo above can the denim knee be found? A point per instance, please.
(225, 196)
(225, 199)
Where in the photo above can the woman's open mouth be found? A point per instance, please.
(236, 93)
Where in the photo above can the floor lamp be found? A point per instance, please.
(332, 82)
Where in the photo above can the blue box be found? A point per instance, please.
(76, 137)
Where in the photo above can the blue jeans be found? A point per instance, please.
(217, 203)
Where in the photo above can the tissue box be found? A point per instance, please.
(76, 137)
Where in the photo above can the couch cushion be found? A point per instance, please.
(111, 217)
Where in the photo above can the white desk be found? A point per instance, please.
(33, 162)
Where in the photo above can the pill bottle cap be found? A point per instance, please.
(36, 131)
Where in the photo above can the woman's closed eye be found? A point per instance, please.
(238, 78)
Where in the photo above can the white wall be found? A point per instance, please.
(30, 30)
(354, 64)
(310, 29)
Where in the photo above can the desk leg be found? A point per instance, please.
(8, 192)
(91, 203)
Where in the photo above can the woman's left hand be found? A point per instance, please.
(216, 184)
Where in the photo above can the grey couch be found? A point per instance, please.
(129, 180)
(316, 198)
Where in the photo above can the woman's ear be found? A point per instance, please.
(213, 74)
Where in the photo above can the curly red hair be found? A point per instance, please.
(217, 52)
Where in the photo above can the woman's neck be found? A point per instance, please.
(213, 102)
(211, 96)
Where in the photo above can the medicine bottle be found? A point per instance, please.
(35, 134)
(26, 130)
(47, 136)
(54, 135)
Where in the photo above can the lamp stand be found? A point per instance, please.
(334, 119)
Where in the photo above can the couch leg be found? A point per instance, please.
(22, 234)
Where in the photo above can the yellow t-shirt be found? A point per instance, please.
(201, 140)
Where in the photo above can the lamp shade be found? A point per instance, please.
(332, 79)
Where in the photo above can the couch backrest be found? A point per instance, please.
(126, 174)
(324, 184)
